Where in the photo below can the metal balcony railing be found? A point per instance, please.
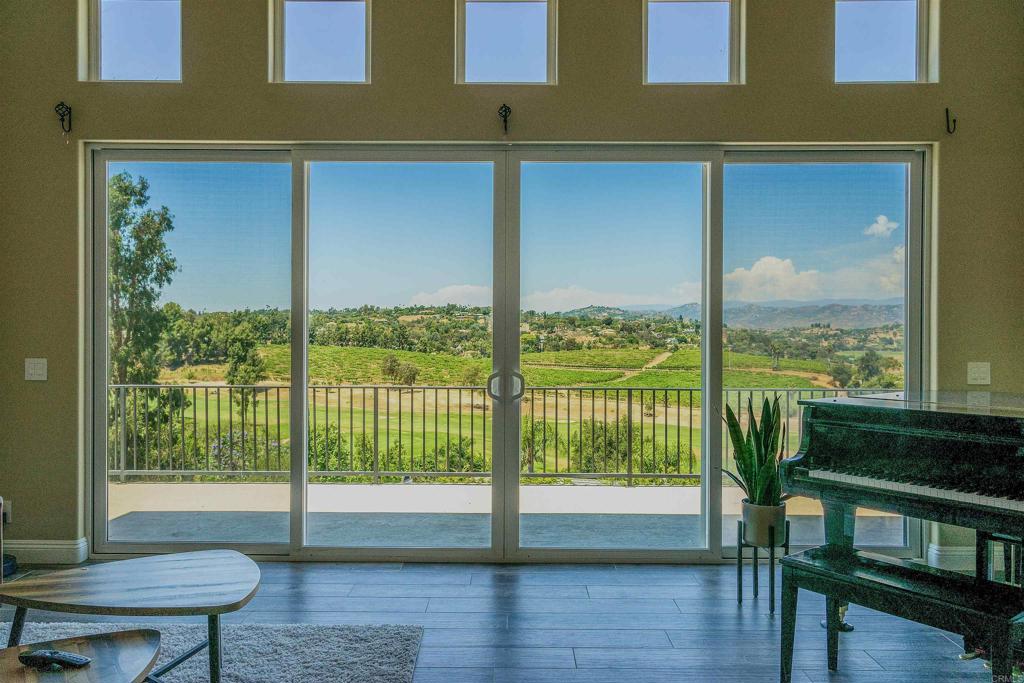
(383, 433)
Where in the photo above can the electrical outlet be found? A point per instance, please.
(35, 369)
(979, 373)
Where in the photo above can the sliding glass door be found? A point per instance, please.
(192, 339)
(477, 353)
(400, 329)
(610, 344)
(819, 254)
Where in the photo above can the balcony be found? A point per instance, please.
(395, 466)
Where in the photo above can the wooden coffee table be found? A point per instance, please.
(210, 583)
(121, 657)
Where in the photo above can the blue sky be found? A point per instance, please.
(506, 42)
(876, 40)
(688, 42)
(231, 233)
(614, 234)
(325, 41)
(141, 40)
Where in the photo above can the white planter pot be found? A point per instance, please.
(757, 519)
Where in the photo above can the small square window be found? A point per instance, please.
(690, 41)
(138, 40)
(506, 41)
(878, 40)
(324, 41)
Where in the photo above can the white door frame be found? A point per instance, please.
(507, 160)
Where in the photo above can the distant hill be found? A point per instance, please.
(850, 317)
(605, 312)
(770, 316)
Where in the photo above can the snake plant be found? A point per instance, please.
(757, 453)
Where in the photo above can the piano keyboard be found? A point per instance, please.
(899, 487)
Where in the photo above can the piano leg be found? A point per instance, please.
(840, 520)
(981, 565)
(832, 619)
(1019, 574)
(1002, 657)
(789, 600)
(840, 524)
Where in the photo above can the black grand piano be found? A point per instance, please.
(956, 458)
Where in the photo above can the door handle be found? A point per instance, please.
(520, 384)
(494, 377)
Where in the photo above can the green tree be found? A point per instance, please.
(842, 374)
(870, 365)
(245, 364)
(473, 376)
(139, 265)
(407, 373)
(389, 367)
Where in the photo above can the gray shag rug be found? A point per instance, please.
(270, 653)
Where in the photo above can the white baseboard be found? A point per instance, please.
(953, 557)
(48, 552)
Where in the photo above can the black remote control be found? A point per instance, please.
(39, 659)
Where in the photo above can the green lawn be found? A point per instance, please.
(686, 359)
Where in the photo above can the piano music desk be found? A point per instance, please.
(986, 612)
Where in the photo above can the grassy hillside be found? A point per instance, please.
(686, 359)
(354, 365)
(593, 358)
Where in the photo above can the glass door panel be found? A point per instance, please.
(400, 428)
(196, 312)
(610, 337)
(814, 293)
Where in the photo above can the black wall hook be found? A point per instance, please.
(64, 114)
(950, 122)
(504, 112)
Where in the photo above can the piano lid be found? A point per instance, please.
(961, 402)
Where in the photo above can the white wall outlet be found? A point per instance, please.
(979, 373)
(35, 369)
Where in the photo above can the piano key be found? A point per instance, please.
(926, 489)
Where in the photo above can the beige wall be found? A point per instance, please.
(789, 97)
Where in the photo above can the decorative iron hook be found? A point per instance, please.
(504, 112)
(950, 122)
(64, 114)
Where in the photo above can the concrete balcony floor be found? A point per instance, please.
(447, 515)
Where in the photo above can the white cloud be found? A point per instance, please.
(772, 278)
(463, 295)
(882, 227)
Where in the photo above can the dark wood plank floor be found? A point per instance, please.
(593, 624)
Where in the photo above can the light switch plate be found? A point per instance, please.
(35, 369)
(979, 373)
